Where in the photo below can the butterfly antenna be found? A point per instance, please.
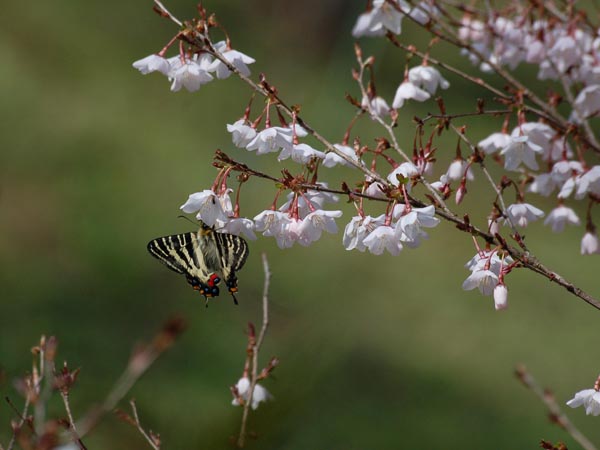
(181, 216)
(234, 299)
(206, 303)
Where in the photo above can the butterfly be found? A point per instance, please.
(205, 258)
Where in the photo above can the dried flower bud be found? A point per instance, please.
(64, 380)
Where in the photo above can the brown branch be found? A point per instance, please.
(255, 350)
(142, 358)
(556, 415)
(450, 117)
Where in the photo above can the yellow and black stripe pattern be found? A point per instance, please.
(205, 258)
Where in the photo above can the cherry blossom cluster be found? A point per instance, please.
(191, 70)
(301, 219)
(488, 269)
(541, 153)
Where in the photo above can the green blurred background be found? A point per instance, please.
(376, 352)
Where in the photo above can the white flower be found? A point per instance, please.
(590, 244)
(270, 140)
(332, 159)
(589, 398)
(441, 184)
(359, 228)
(269, 220)
(241, 133)
(318, 221)
(488, 259)
(408, 90)
(587, 102)
(190, 74)
(383, 238)
(389, 15)
(423, 12)
(375, 189)
(409, 226)
(376, 106)
(301, 153)
(522, 213)
(520, 150)
(152, 63)
(382, 16)
(485, 280)
(565, 53)
(543, 184)
(500, 297)
(404, 170)
(457, 169)
(535, 52)
(259, 395)
(589, 182)
(472, 30)
(225, 201)
(239, 226)
(237, 60)
(364, 26)
(568, 173)
(494, 142)
(208, 205)
(427, 78)
(544, 136)
(559, 217)
(493, 226)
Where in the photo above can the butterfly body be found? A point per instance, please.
(205, 258)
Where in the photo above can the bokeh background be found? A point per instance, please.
(376, 352)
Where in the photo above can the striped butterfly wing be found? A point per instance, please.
(233, 252)
(175, 252)
(182, 254)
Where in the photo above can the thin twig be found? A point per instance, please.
(140, 428)
(394, 141)
(76, 438)
(167, 13)
(556, 414)
(494, 185)
(256, 349)
(22, 418)
(265, 302)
